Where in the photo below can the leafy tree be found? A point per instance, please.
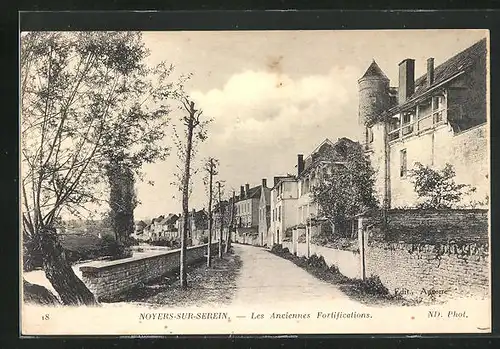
(88, 102)
(345, 186)
(437, 188)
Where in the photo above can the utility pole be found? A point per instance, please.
(228, 242)
(211, 171)
(221, 221)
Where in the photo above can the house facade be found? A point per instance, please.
(247, 208)
(438, 119)
(264, 213)
(310, 172)
(283, 207)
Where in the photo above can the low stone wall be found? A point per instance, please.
(108, 278)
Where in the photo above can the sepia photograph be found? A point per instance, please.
(254, 182)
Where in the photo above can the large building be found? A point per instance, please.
(439, 118)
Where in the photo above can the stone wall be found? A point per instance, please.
(430, 254)
(429, 251)
(421, 271)
(109, 278)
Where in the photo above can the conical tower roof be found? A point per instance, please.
(374, 71)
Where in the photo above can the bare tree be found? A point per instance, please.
(210, 167)
(231, 223)
(194, 130)
(221, 217)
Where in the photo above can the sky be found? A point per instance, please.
(275, 94)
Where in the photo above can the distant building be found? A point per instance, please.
(247, 208)
(197, 221)
(439, 118)
(160, 227)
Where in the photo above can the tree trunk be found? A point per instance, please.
(185, 203)
(122, 199)
(37, 294)
(228, 242)
(209, 248)
(58, 271)
(221, 224)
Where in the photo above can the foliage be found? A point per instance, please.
(86, 98)
(437, 188)
(114, 248)
(346, 184)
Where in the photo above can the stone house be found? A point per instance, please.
(264, 213)
(439, 118)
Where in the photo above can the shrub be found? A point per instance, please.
(371, 285)
(437, 188)
(115, 249)
(317, 262)
(277, 248)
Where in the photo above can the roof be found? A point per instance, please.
(374, 71)
(287, 178)
(253, 193)
(461, 62)
(316, 156)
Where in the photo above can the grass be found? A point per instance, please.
(370, 291)
(206, 286)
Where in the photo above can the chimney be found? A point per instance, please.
(264, 183)
(242, 192)
(406, 79)
(430, 71)
(247, 190)
(300, 164)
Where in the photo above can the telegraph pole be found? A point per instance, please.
(221, 221)
(211, 166)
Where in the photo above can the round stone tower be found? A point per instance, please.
(373, 93)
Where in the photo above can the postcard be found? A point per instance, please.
(254, 182)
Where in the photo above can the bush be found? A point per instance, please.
(371, 285)
(277, 248)
(115, 249)
(317, 262)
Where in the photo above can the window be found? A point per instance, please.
(368, 135)
(279, 213)
(403, 163)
